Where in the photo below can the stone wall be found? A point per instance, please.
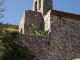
(33, 21)
(21, 25)
(37, 45)
(65, 34)
(47, 21)
(42, 6)
(30, 22)
(47, 5)
(63, 43)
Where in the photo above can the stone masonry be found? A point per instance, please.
(42, 6)
(63, 41)
(29, 19)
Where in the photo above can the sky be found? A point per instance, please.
(15, 8)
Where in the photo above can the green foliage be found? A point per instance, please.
(2, 8)
(9, 50)
(42, 32)
(16, 52)
(1, 49)
(1, 28)
(9, 31)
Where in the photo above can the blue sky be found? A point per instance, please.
(15, 8)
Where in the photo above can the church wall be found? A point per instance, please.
(65, 34)
(21, 25)
(42, 6)
(34, 5)
(63, 43)
(47, 21)
(33, 21)
(46, 6)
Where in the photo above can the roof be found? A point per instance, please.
(65, 14)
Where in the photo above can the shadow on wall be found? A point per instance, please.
(21, 31)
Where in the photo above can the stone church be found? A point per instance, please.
(63, 42)
(41, 16)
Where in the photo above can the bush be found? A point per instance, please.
(9, 50)
(10, 31)
(16, 52)
(1, 50)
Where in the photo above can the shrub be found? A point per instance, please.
(9, 50)
(10, 31)
(42, 32)
(1, 50)
(14, 51)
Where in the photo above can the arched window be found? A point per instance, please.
(36, 6)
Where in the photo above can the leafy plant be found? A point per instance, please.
(42, 32)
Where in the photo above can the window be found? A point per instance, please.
(36, 6)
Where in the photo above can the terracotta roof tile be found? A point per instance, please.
(65, 14)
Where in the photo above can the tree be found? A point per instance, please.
(2, 8)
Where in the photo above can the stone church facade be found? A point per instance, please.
(36, 16)
(41, 16)
(63, 42)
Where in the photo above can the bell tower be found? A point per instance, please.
(42, 6)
